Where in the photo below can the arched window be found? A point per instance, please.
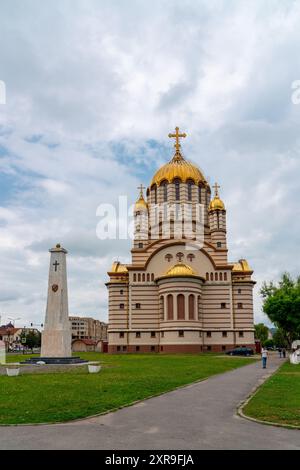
(170, 307)
(144, 277)
(139, 277)
(191, 307)
(152, 277)
(225, 276)
(165, 191)
(177, 189)
(148, 277)
(216, 277)
(199, 308)
(190, 190)
(207, 276)
(134, 277)
(208, 197)
(199, 195)
(211, 276)
(180, 307)
(221, 276)
(155, 193)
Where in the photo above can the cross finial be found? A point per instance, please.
(216, 188)
(141, 188)
(177, 136)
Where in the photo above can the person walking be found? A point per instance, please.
(264, 356)
(280, 352)
(284, 353)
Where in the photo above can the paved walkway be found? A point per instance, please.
(199, 416)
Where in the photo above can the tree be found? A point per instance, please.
(269, 343)
(261, 332)
(281, 303)
(280, 339)
(31, 339)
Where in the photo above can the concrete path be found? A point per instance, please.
(199, 416)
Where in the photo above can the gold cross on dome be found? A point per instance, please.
(216, 188)
(177, 136)
(141, 188)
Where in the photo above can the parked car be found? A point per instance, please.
(243, 351)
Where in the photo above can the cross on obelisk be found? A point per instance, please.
(55, 265)
(177, 136)
(216, 188)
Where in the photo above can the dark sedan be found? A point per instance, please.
(240, 352)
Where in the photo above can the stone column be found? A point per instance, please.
(56, 337)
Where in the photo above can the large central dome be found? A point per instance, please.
(178, 167)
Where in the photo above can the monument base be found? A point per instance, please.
(56, 343)
(56, 360)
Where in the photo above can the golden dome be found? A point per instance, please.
(241, 266)
(216, 203)
(180, 269)
(178, 167)
(117, 267)
(141, 204)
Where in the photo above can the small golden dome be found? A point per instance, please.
(178, 167)
(140, 204)
(241, 266)
(117, 267)
(216, 203)
(180, 269)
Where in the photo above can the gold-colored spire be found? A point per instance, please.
(141, 203)
(177, 145)
(216, 203)
(216, 188)
(141, 188)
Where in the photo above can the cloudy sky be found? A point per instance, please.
(92, 89)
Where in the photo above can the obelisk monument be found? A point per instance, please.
(56, 337)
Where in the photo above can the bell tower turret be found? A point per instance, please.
(140, 220)
(217, 220)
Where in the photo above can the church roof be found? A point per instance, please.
(180, 168)
(216, 203)
(140, 204)
(179, 270)
(117, 267)
(241, 266)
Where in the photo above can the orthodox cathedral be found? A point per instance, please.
(180, 294)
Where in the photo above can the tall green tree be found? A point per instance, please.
(279, 338)
(261, 332)
(281, 303)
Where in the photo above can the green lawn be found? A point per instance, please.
(62, 396)
(278, 399)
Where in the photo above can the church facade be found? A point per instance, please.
(180, 294)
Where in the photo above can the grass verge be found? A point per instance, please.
(278, 399)
(124, 379)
